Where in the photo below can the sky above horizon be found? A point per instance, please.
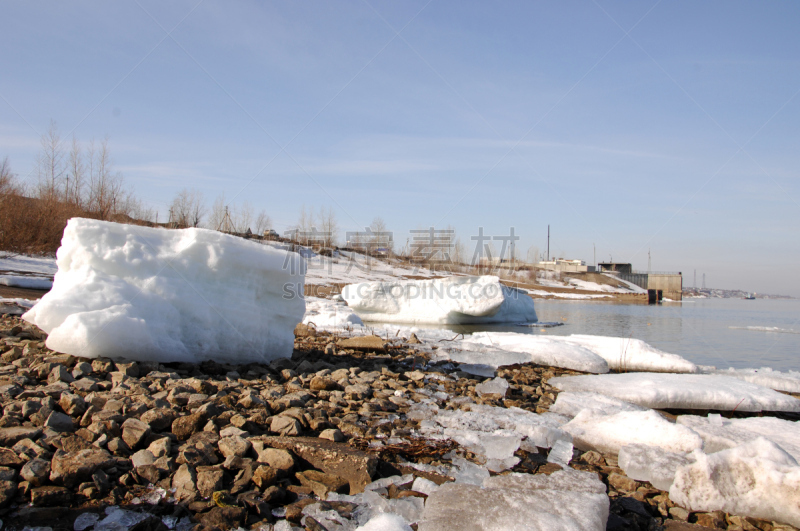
(628, 127)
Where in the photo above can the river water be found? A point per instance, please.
(721, 332)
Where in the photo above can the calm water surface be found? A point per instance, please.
(720, 332)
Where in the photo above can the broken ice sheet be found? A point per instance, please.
(561, 453)
(565, 500)
(650, 463)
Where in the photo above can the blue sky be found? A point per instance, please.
(668, 126)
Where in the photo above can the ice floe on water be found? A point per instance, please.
(565, 500)
(608, 433)
(452, 300)
(681, 391)
(170, 295)
(755, 479)
(719, 433)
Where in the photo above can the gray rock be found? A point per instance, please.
(71, 468)
(233, 446)
(142, 458)
(73, 405)
(209, 480)
(10, 436)
(185, 482)
(36, 472)
(286, 426)
(160, 447)
(60, 374)
(134, 432)
(59, 422)
(278, 459)
(332, 435)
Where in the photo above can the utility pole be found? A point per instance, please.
(548, 243)
(695, 279)
(594, 255)
(704, 281)
(648, 259)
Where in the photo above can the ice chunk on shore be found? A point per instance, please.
(756, 479)
(570, 404)
(170, 295)
(496, 432)
(650, 463)
(788, 381)
(609, 433)
(531, 348)
(325, 313)
(572, 501)
(721, 434)
(385, 522)
(681, 391)
(29, 282)
(628, 354)
(452, 300)
(496, 386)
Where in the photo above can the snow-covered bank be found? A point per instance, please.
(453, 300)
(178, 295)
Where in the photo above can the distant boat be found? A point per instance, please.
(749, 297)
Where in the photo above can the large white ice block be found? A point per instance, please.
(721, 434)
(651, 463)
(125, 291)
(628, 354)
(534, 349)
(565, 500)
(609, 433)
(756, 479)
(570, 404)
(780, 381)
(681, 391)
(452, 300)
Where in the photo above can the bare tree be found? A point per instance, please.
(380, 237)
(217, 219)
(328, 226)
(304, 225)
(76, 175)
(6, 178)
(243, 217)
(187, 208)
(50, 165)
(263, 222)
(107, 194)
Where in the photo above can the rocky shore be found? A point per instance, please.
(94, 444)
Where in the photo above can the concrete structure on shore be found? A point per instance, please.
(566, 266)
(670, 284)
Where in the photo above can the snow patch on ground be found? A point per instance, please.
(681, 391)
(169, 295)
